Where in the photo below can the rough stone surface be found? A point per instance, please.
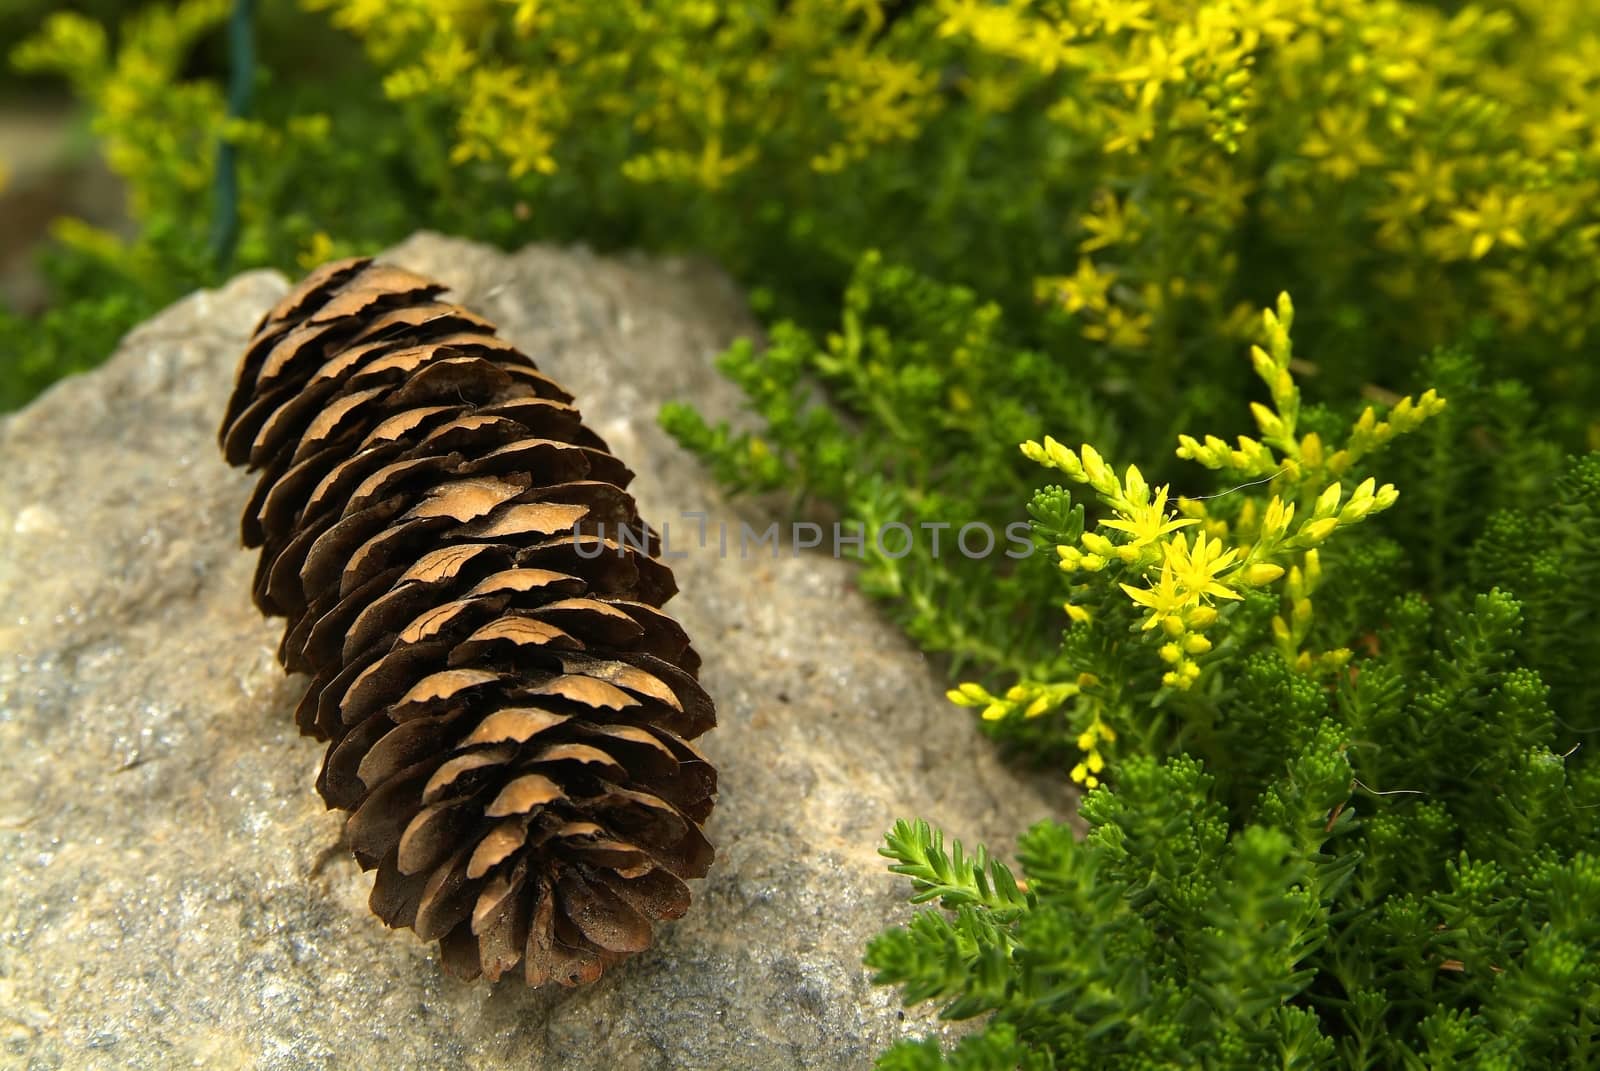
(172, 892)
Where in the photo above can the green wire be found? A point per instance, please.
(241, 79)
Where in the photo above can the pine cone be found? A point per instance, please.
(507, 710)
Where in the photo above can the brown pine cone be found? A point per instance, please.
(476, 599)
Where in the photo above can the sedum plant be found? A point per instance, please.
(160, 132)
(1175, 579)
(160, 129)
(1415, 173)
(1332, 823)
(1394, 868)
(1367, 904)
(1418, 176)
(923, 378)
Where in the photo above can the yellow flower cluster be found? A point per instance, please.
(1181, 566)
(1455, 138)
(1280, 450)
(1455, 154)
(1030, 699)
(1465, 140)
(1179, 580)
(160, 131)
(706, 90)
(140, 104)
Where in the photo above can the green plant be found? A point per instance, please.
(324, 170)
(1401, 872)
(1360, 835)
(923, 379)
(1195, 586)
(65, 339)
(1417, 177)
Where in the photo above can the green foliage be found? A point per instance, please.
(1491, 450)
(325, 170)
(69, 338)
(1550, 558)
(1358, 834)
(1150, 171)
(1374, 860)
(1404, 875)
(921, 381)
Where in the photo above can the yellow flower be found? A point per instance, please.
(318, 249)
(1316, 531)
(1340, 143)
(1016, 31)
(1161, 64)
(1163, 600)
(1094, 760)
(1182, 676)
(1121, 329)
(1195, 569)
(969, 694)
(1429, 180)
(1084, 289)
(1115, 16)
(1495, 219)
(1148, 522)
(1110, 223)
(1262, 573)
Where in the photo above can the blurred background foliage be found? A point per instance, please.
(1128, 179)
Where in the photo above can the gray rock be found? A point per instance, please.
(172, 892)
